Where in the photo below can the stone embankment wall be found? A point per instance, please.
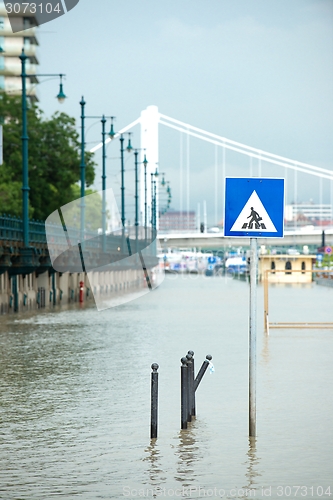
(27, 292)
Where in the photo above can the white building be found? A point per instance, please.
(11, 45)
(173, 221)
(308, 213)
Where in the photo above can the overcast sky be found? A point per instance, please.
(255, 71)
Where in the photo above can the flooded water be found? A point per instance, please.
(75, 397)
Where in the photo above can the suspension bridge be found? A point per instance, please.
(151, 119)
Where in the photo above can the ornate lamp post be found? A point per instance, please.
(155, 208)
(103, 121)
(83, 173)
(122, 193)
(136, 200)
(25, 141)
(83, 167)
(145, 163)
(123, 218)
(155, 198)
(111, 135)
(152, 201)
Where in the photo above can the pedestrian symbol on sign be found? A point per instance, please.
(255, 219)
(258, 220)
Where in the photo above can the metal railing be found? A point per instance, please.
(290, 324)
(11, 230)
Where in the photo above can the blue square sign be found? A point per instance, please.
(254, 207)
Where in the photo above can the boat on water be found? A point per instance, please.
(236, 264)
(184, 261)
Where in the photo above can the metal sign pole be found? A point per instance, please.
(254, 208)
(253, 336)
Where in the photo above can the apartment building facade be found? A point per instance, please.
(11, 45)
(174, 220)
(308, 213)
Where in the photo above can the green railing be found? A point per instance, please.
(11, 229)
(11, 232)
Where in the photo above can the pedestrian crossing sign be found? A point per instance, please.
(254, 207)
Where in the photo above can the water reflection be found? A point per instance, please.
(252, 463)
(265, 355)
(188, 454)
(154, 471)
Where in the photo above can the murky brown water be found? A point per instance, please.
(75, 396)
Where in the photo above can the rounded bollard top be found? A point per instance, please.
(154, 367)
(189, 356)
(191, 352)
(209, 357)
(184, 361)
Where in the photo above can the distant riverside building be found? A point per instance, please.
(279, 268)
(308, 213)
(11, 45)
(177, 221)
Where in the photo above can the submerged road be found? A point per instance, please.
(75, 396)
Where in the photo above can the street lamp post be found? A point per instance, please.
(25, 166)
(156, 175)
(136, 200)
(145, 162)
(83, 166)
(155, 208)
(152, 201)
(122, 192)
(103, 120)
(25, 141)
(83, 173)
(123, 218)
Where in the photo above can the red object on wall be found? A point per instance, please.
(81, 291)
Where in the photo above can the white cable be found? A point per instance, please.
(239, 144)
(254, 155)
(122, 131)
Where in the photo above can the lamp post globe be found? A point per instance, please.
(61, 95)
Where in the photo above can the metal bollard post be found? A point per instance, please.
(154, 401)
(189, 387)
(183, 393)
(193, 391)
(81, 293)
(202, 370)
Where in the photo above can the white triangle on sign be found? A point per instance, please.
(253, 215)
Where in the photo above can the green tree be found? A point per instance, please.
(327, 260)
(93, 210)
(54, 160)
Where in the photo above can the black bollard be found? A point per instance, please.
(154, 401)
(183, 393)
(201, 372)
(193, 391)
(190, 389)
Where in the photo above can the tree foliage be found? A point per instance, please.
(93, 210)
(54, 160)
